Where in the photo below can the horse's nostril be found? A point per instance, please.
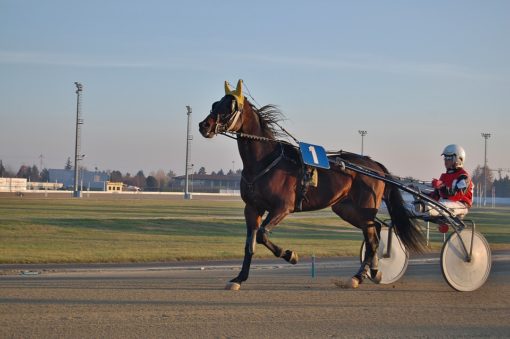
(203, 127)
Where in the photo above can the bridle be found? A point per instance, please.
(227, 123)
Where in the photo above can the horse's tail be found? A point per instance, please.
(407, 228)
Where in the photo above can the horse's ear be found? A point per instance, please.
(239, 87)
(228, 89)
(239, 92)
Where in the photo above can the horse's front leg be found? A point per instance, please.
(273, 219)
(253, 218)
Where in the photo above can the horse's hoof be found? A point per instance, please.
(355, 282)
(233, 286)
(291, 257)
(377, 277)
(294, 258)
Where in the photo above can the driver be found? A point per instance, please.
(454, 188)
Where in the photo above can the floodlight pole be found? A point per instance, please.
(189, 137)
(77, 145)
(485, 136)
(363, 133)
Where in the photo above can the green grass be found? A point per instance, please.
(494, 224)
(44, 230)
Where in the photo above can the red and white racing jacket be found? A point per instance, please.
(457, 186)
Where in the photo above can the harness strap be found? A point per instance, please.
(263, 172)
(233, 120)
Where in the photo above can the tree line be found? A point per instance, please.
(31, 173)
(501, 185)
(164, 181)
(156, 180)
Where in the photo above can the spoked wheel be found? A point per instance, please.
(392, 266)
(459, 273)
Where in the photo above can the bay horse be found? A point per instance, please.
(272, 181)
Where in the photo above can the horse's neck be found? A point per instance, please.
(254, 153)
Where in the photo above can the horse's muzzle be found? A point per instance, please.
(206, 129)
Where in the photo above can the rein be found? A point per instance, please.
(249, 136)
(338, 160)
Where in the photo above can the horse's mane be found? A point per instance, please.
(269, 116)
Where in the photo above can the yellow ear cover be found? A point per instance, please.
(228, 89)
(237, 93)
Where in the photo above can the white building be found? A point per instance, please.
(13, 184)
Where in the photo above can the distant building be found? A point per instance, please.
(21, 185)
(37, 185)
(13, 184)
(209, 183)
(114, 186)
(87, 180)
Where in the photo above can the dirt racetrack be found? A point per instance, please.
(277, 301)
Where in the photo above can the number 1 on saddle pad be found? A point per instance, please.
(314, 155)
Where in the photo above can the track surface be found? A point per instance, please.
(279, 300)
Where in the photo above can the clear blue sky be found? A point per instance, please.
(417, 75)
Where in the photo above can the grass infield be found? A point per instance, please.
(109, 229)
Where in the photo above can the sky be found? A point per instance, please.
(416, 75)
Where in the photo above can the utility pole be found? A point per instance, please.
(77, 145)
(363, 133)
(189, 137)
(485, 136)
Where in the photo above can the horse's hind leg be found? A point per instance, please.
(272, 219)
(371, 261)
(363, 218)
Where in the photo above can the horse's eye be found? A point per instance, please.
(214, 105)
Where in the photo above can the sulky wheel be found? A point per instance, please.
(459, 273)
(393, 266)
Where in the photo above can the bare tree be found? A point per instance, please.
(29, 173)
(161, 178)
(478, 177)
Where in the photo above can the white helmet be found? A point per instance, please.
(458, 153)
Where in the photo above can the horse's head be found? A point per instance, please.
(225, 115)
